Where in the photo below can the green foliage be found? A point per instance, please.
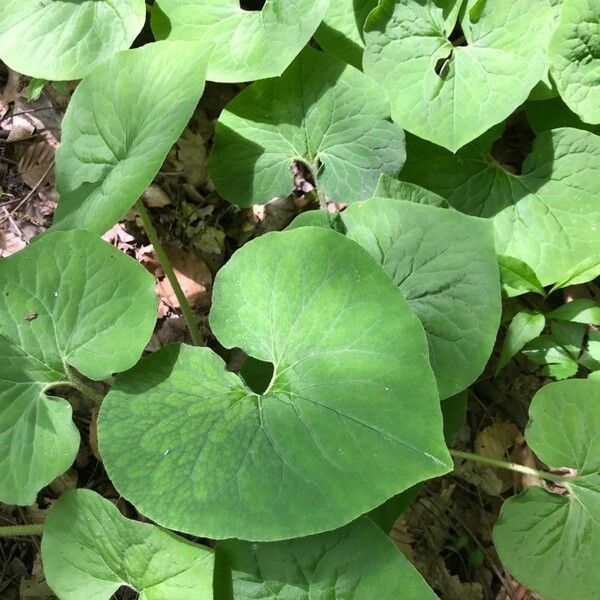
(550, 539)
(90, 550)
(524, 327)
(244, 45)
(62, 40)
(358, 561)
(331, 417)
(322, 113)
(67, 304)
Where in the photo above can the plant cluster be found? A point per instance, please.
(363, 328)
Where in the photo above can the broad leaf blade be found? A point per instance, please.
(65, 40)
(119, 126)
(551, 542)
(90, 550)
(388, 187)
(318, 307)
(358, 562)
(320, 112)
(66, 301)
(524, 327)
(575, 58)
(247, 45)
(452, 94)
(518, 277)
(581, 310)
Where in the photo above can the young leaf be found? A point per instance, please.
(65, 40)
(119, 126)
(341, 33)
(246, 45)
(547, 351)
(66, 301)
(358, 561)
(586, 270)
(524, 327)
(518, 277)
(575, 57)
(581, 310)
(189, 444)
(320, 112)
(551, 541)
(90, 550)
(388, 187)
(450, 91)
(547, 217)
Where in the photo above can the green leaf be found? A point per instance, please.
(321, 112)
(358, 562)
(547, 351)
(90, 550)
(66, 39)
(319, 308)
(569, 336)
(341, 34)
(518, 277)
(454, 411)
(575, 58)
(451, 94)
(581, 310)
(547, 217)
(66, 301)
(551, 542)
(444, 264)
(595, 376)
(586, 270)
(552, 114)
(120, 124)
(524, 327)
(385, 516)
(388, 187)
(245, 45)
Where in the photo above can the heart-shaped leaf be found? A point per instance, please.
(575, 57)
(447, 90)
(444, 264)
(357, 562)
(64, 40)
(388, 187)
(320, 112)
(551, 541)
(120, 124)
(341, 34)
(548, 216)
(248, 44)
(67, 301)
(90, 550)
(352, 397)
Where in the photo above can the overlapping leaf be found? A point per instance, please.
(64, 39)
(195, 450)
(121, 122)
(442, 90)
(357, 562)
(246, 45)
(68, 300)
(548, 216)
(551, 541)
(90, 550)
(322, 113)
(575, 56)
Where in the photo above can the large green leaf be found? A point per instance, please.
(450, 94)
(551, 541)
(352, 401)
(68, 300)
(65, 39)
(575, 56)
(90, 550)
(445, 265)
(245, 45)
(320, 112)
(548, 216)
(341, 34)
(357, 562)
(120, 124)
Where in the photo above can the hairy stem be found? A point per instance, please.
(21, 530)
(168, 268)
(82, 388)
(508, 465)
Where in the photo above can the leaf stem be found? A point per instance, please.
(89, 392)
(168, 268)
(508, 465)
(21, 530)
